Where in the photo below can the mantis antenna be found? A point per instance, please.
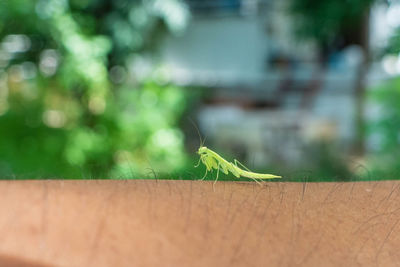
(202, 142)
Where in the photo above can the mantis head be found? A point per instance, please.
(202, 150)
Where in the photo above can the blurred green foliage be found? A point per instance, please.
(70, 106)
(384, 125)
(324, 21)
(384, 129)
(388, 124)
(393, 44)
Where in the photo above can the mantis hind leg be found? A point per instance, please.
(216, 179)
(258, 182)
(236, 164)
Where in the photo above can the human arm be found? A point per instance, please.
(190, 223)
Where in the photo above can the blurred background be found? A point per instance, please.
(307, 89)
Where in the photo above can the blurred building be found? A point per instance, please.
(269, 93)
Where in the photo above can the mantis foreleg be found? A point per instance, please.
(204, 175)
(198, 163)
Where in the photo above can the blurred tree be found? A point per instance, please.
(335, 25)
(67, 107)
(332, 24)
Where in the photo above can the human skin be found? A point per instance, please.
(191, 223)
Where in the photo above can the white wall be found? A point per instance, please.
(233, 48)
(227, 45)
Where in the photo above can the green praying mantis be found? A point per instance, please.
(212, 161)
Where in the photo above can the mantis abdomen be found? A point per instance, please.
(255, 175)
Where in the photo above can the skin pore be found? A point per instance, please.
(192, 223)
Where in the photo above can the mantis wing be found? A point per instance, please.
(209, 162)
(223, 168)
